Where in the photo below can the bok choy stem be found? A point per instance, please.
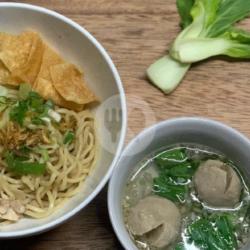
(201, 48)
(166, 73)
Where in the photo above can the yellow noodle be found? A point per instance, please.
(67, 168)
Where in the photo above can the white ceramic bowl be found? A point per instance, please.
(78, 46)
(182, 130)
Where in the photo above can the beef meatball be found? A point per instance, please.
(156, 218)
(217, 184)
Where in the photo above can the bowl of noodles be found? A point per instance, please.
(62, 119)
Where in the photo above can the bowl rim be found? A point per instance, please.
(63, 218)
(118, 227)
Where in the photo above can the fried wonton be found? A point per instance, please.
(44, 85)
(68, 81)
(21, 55)
(26, 58)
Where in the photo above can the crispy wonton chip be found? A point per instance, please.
(5, 74)
(15, 50)
(21, 55)
(46, 89)
(6, 77)
(44, 85)
(28, 73)
(49, 59)
(68, 81)
(26, 58)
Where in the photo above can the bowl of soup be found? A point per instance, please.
(183, 184)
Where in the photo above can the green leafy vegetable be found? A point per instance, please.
(21, 166)
(247, 215)
(35, 102)
(229, 13)
(225, 228)
(25, 150)
(22, 153)
(18, 112)
(184, 8)
(69, 137)
(219, 18)
(205, 12)
(208, 30)
(214, 232)
(166, 187)
(184, 170)
(31, 105)
(202, 234)
(171, 157)
(180, 246)
(175, 172)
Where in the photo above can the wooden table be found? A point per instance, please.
(135, 33)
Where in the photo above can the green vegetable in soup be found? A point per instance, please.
(225, 228)
(20, 165)
(213, 233)
(166, 187)
(180, 246)
(208, 30)
(175, 171)
(184, 170)
(170, 158)
(247, 215)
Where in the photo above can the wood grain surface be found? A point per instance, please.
(135, 33)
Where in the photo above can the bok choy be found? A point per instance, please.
(175, 172)
(208, 30)
(215, 233)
